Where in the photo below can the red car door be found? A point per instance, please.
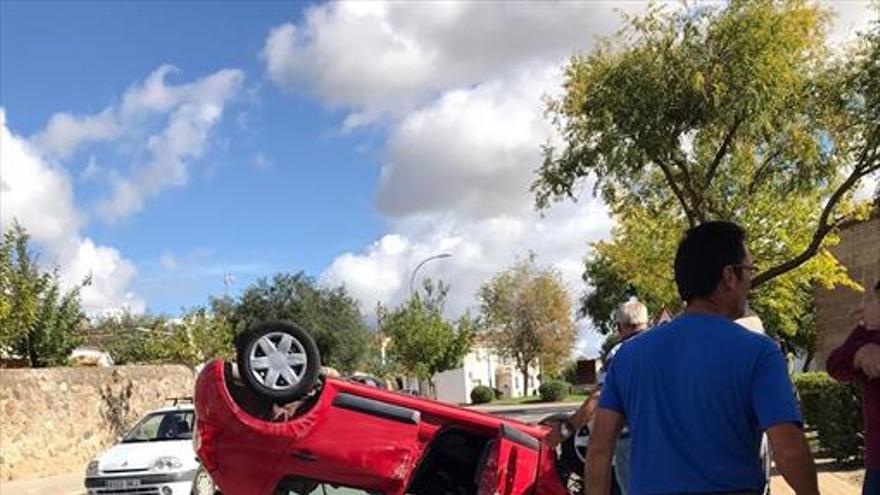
(512, 464)
(358, 442)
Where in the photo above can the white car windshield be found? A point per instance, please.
(170, 425)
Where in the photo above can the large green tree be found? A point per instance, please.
(528, 315)
(39, 321)
(732, 111)
(421, 341)
(331, 315)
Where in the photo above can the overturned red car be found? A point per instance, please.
(338, 436)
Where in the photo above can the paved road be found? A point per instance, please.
(65, 484)
(534, 414)
(71, 484)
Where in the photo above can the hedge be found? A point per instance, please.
(482, 394)
(834, 409)
(554, 391)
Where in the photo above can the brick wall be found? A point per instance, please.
(55, 420)
(859, 251)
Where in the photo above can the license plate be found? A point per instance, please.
(123, 483)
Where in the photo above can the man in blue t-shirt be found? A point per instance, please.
(697, 392)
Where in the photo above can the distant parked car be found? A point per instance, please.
(155, 457)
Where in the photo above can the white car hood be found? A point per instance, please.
(142, 455)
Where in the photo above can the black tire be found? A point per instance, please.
(253, 360)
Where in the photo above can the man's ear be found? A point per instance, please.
(728, 277)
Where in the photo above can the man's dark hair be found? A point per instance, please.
(702, 255)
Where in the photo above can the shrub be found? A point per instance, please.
(553, 391)
(482, 394)
(810, 388)
(833, 409)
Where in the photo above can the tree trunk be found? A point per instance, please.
(525, 371)
(808, 360)
(31, 352)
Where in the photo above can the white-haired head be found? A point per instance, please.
(631, 316)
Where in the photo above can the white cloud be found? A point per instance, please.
(851, 17)
(867, 187)
(65, 132)
(39, 196)
(472, 151)
(193, 109)
(387, 57)
(479, 248)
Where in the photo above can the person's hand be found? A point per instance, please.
(554, 438)
(868, 314)
(559, 432)
(867, 358)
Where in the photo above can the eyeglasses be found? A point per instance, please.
(752, 269)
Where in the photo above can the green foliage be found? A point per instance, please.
(38, 320)
(834, 409)
(609, 289)
(554, 391)
(137, 339)
(422, 343)
(198, 337)
(731, 111)
(529, 316)
(132, 339)
(811, 388)
(482, 394)
(331, 315)
(568, 373)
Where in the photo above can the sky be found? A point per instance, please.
(178, 150)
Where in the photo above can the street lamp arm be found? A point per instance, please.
(412, 278)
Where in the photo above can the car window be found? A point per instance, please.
(171, 425)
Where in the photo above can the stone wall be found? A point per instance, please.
(55, 420)
(859, 251)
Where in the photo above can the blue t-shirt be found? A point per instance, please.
(696, 393)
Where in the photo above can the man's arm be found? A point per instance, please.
(580, 417)
(606, 429)
(842, 363)
(793, 459)
(858, 358)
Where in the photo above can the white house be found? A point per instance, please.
(482, 366)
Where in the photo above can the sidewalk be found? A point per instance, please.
(64, 484)
(829, 484)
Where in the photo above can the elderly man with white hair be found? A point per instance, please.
(631, 318)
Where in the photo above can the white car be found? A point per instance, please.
(155, 457)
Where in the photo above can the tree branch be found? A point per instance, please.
(670, 179)
(723, 149)
(861, 169)
(689, 186)
(761, 170)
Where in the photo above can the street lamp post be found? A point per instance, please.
(412, 278)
